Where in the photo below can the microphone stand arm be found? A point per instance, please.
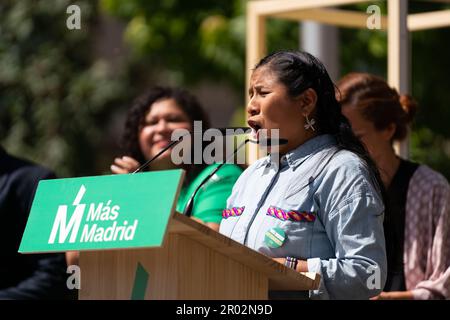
(188, 208)
(170, 145)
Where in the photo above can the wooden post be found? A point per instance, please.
(399, 56)
(256, 49)
(429, 20)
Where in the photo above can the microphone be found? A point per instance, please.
(270, 142)
(266, 142)
(224, 131)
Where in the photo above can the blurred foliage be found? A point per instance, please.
(188, 41)
(431, 148)
(55, 98)
(195, 40)
(210, 36)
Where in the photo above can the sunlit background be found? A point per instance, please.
(64, 93)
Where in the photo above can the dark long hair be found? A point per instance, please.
(299, 71)
(187, 102)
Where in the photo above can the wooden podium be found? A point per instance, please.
(194, 262)
(133, 245)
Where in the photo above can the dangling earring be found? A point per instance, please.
(310, 123)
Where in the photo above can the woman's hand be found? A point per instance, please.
(394, 295)
(124, 165)
(211, 225)
(72, 258)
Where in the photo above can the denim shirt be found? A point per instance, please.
(329, 210)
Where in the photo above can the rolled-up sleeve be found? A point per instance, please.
(355, 229)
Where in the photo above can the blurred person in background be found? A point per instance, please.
(149, 125)
(148, 129)
(25, 276)
(417, 216)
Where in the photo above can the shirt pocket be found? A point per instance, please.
(298, 226)
(230, 217)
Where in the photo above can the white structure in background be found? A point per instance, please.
(321, 40)
(324, 11)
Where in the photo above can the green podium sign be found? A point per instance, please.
(101, 212)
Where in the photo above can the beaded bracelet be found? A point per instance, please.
(291, 262)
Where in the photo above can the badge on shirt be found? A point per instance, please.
(275, 238)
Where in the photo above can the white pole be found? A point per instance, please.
(321, 40)
(399, 57)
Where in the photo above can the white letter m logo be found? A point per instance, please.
(74, 222)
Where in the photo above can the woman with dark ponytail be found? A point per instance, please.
(417, 218)
(317, 204)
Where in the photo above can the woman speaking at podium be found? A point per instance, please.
(316, 206)
(148, 129)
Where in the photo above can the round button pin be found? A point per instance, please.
(274, 238)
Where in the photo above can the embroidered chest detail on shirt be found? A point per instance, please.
(233, 212)
(292, 215)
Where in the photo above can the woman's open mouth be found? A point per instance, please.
(256, 127)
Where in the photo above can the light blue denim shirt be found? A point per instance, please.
(340, 229)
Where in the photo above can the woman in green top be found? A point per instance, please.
(148, 129)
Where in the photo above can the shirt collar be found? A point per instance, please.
(297, 156)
